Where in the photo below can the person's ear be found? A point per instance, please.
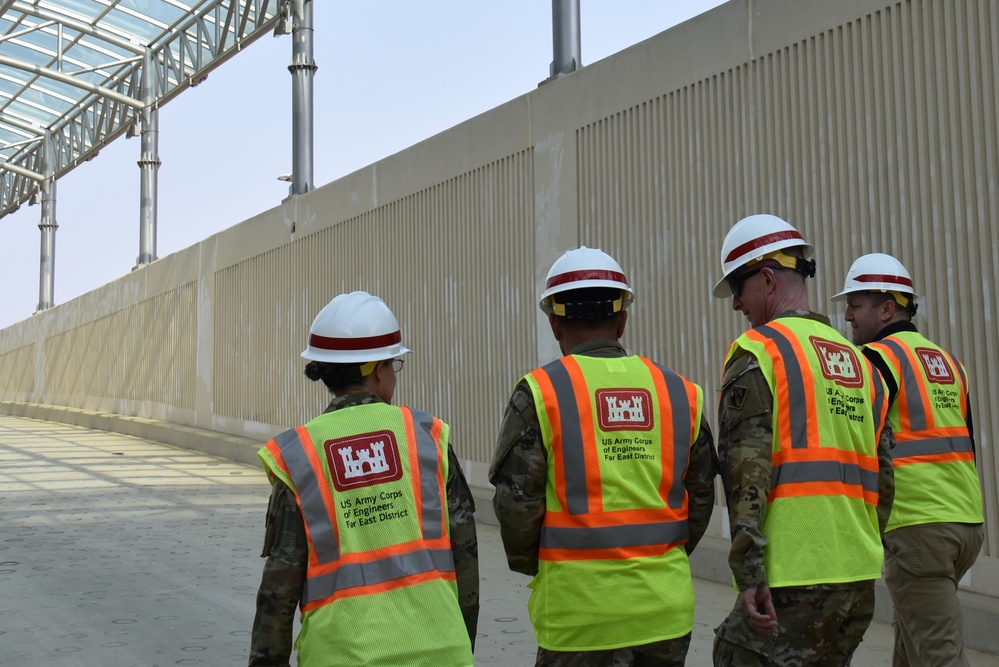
(622, 319)
(556, 326)
(769, 279)
(887, 309)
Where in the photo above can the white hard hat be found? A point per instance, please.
(752, 239)
(584, 268)
(354, 328)
(877, 272)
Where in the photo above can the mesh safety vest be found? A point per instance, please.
(829, 409)
(380, 583)
(617, 432)
(935, 475)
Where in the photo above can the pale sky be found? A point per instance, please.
(391, 73)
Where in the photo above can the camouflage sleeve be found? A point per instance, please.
(745, 442)
(464, 543)
(519, 471)
(886, 476)
(699, 481)
(287, 550)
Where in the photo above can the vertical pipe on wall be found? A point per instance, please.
(48, 227)
(149, 163)
(303, 70)
(565, 38)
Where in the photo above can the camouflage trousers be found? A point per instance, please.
(820, 626)
(667, 653)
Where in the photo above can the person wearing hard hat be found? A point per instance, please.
(370, 526)
(604, 470)
(805, 462)
(935, 529)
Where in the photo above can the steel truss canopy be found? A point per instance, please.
(72, 73)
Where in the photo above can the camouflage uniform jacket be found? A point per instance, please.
(286, 548)
(745, 450)
(519, 471)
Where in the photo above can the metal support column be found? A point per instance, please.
(565, 37)
(48, 227)
(303, 70)
(149, 163)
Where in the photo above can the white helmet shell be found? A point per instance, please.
(750, 240)
(581, 268)
(354, 328)
(876, 272)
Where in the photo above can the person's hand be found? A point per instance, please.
(758, 606)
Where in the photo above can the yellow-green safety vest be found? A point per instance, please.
(380, 583)
(934, 458)
(829, 409)
(612, 569)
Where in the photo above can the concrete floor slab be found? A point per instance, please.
(118, 551)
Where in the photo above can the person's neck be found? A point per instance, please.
(787, 301)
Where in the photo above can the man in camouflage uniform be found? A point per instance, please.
(588, 323)
(765, 264)
(286, 545)
(935, 530)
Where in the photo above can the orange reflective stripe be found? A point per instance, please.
(802, 489)
(436, 432)
(324, 489)
(826, 454)
(616, 553)
(798, 425)
(555, 416)
(376, 576)
(948, 457)
(607, 519)
(666, 424)
(938, 432)
(589, 441)
(401, 582)
(414, 462)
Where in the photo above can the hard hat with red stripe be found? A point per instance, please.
(756, 238)
(878, 272)
(586, 283)
(354, 328)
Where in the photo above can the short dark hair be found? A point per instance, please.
(336, 377)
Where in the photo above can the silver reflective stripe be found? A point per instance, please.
(376, 572)
(927, 446)
(680, 405)
(429, 456)
(824, 471)
(795, 386)
(573, 456)
(879, 397)
(313, 508)
(917, 414)
(611, 537)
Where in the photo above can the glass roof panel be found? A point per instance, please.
(74, 67)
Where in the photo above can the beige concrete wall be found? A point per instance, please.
(870, 125)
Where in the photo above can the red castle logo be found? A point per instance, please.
(839, 362)
(363, 460)
(936, 366)
(624, 409)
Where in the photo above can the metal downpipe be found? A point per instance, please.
(48, 227)
(565, 38)
(149, 163)
(303, 69)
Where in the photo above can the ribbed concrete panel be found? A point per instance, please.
(877, 135)
(450, 262)
(145, 352)
(17, 368)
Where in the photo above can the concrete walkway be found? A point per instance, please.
(117, 551)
